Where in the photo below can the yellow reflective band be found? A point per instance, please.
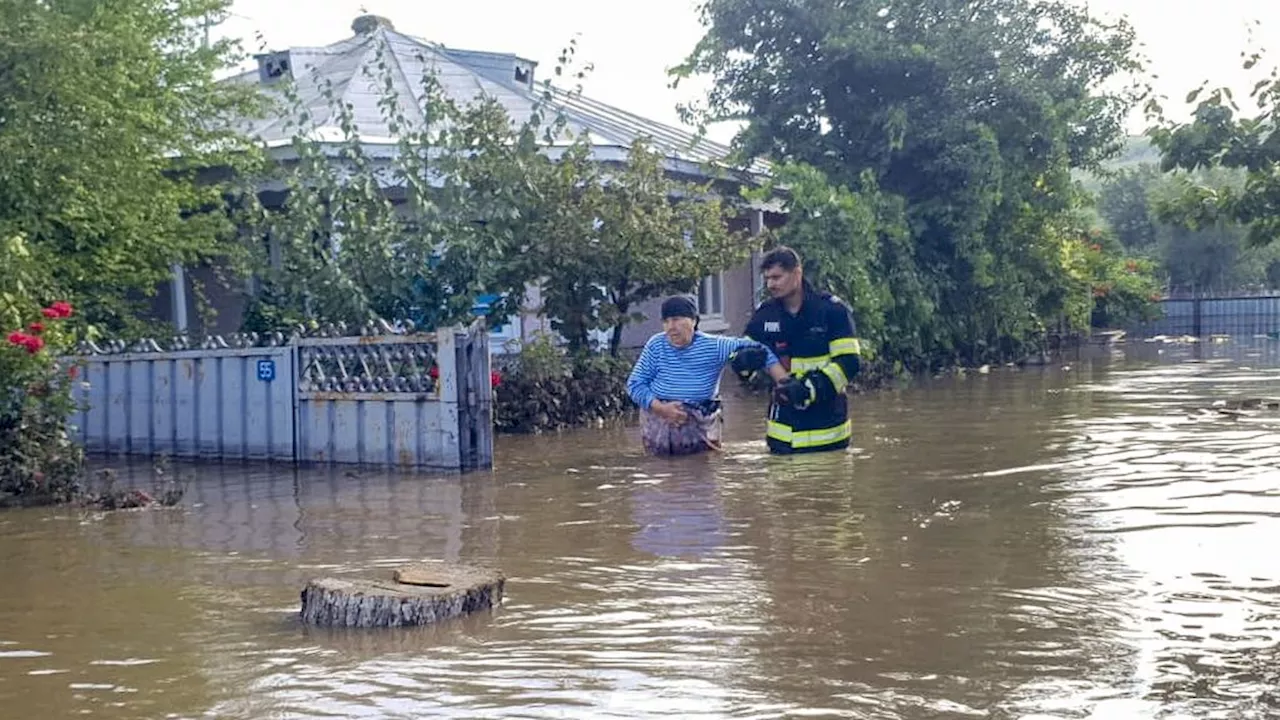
(805, 364)
(837, 376)
(845, 346)
(809, 438)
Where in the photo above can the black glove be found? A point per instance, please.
(747, 360)
(796, 392)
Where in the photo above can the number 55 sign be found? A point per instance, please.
(266, 370)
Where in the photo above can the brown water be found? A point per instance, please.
(1037, 544)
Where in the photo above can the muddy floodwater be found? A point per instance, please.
(1092, 542)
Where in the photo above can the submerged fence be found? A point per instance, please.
(1203, 316)
(406, 400)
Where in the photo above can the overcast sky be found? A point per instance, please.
(1186, 41)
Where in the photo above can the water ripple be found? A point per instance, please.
(1024, 544)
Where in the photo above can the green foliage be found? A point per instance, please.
(117, 159)
(544, 388)
(111, 120)
(1204, 257)
(1223, 135)
(1124, 202)
(947, 133)
(1123, 289)
(475, 204)
(349, 250)
(614, 237)
(854, 244)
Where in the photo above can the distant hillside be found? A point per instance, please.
(1138, 151)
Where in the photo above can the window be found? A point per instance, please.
(711, 296)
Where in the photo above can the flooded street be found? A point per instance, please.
(1091, 543)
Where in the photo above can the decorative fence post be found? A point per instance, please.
(447, 389)
(475, 395)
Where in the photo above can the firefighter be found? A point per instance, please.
(812, 334)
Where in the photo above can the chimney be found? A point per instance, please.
(273, 66)
(366, 24)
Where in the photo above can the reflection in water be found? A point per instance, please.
(1048, 543)
(678, 518)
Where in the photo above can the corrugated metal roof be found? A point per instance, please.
(349, 68)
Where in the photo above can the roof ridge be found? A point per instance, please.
(465, 76)
(657, 123)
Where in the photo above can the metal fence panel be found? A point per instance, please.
(231, 403)
(1244, 316)
(404, 400)
(373, 400)
(400, 430)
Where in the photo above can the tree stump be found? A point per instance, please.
(416, 594)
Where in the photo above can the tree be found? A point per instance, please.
(484, 207)
(971, 116)
(853, 244)
(1213, 255)
(115, 139)
(1124, 203)
(1222, 135)
(615, 237)
(359, 239)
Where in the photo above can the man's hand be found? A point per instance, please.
(795, 392)
(748, 360)
(672, 412)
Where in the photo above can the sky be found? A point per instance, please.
(1186, 42)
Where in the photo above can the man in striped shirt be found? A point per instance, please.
(676, 381)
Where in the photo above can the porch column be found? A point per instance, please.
(178, 286)
(757, 282)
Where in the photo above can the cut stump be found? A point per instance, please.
(416, 594)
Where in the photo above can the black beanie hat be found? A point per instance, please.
(679, 306)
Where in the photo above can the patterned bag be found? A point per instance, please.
(701, 432)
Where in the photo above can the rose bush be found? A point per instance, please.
(38, 459)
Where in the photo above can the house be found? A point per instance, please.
(726, 299)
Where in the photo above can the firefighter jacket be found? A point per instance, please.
(816, 345)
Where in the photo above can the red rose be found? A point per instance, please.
(33, 344)
(62, 308)
(495, 378)
(17, 337)
(36, 327)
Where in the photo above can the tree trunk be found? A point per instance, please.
(578, 338)
(615, 341)
(416, 594)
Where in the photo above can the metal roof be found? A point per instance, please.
(349, 67)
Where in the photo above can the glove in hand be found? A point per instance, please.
(796, 392)
(747, 360)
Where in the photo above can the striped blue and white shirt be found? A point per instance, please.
(690, 373)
